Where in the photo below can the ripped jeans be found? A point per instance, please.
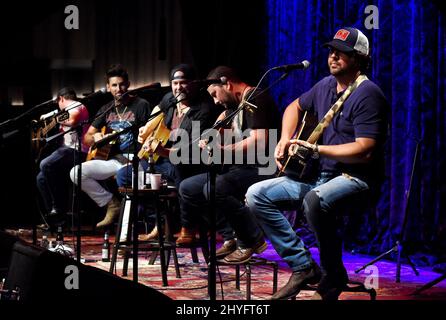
(267, 199)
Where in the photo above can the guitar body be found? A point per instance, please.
(158, 135)
(296, 168)
(103, 152)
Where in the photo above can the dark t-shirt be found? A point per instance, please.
(202, 110)
(363, 115)
(136, 112)
(265, 116)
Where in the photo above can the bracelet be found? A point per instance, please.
(315, 154)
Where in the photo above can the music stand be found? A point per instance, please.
(429, 284)
(398, 247)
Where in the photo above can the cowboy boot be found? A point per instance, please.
(149, 236)
(187, 237)
(113, 208)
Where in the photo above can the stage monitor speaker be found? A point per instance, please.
(6, 243)
(45, 276)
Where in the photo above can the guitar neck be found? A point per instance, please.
(49, 126)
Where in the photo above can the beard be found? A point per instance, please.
(230, 102)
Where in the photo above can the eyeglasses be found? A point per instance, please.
(338, 52)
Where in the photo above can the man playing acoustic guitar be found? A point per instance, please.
(351, 167)
(53, 180)
(122, 112)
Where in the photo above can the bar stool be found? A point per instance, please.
(124, 230)
(254, 261)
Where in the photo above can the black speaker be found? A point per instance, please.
(6, 243)
(44, 276)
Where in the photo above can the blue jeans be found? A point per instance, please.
(231, 213)
(267, 199)
(53, 180)
(163, 166)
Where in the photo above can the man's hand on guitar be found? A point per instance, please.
(141, 135)
(303, 150)
(98, 136)
(279, 152)
(203, 143)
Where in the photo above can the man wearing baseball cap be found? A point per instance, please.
(185, 104)
(351, 159)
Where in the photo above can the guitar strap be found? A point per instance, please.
(335, 108)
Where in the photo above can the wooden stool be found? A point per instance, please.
(254, 261)
(124, 231)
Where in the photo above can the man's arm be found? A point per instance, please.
(291, 117)
(92, 135)
(359, 151)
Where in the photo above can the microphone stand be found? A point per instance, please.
(212, 181)
(78, 187)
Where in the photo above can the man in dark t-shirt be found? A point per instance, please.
(122, 112)
(248, 137)
(351, 168)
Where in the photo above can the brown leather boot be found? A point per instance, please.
(187, 237)
(149, 236)
(113, 208)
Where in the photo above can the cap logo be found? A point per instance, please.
(342, 34)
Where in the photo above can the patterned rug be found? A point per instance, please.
(193, 284)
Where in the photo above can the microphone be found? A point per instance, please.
(208, 82)
(94, 94)
(289, 67)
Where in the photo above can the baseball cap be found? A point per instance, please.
(349, 40)
(66, 91)
(187, 70)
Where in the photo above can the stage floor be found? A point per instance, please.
(193, 284)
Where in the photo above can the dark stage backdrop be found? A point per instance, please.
(408, 52)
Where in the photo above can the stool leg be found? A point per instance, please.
(117, 237)
(161, 243)
(114, 258)
(175, 261)
(168, 259)
(237, 277)
(275, 272)
(248, 282)
(153, 257)
(125, 266)
(193, 252)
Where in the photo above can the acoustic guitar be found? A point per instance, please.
(103, 149)
(294, 166)
(158, 134)
(41, 129)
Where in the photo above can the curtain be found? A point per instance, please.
(408, 51)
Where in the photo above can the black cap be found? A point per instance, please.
(188, 72)
(66, 91)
